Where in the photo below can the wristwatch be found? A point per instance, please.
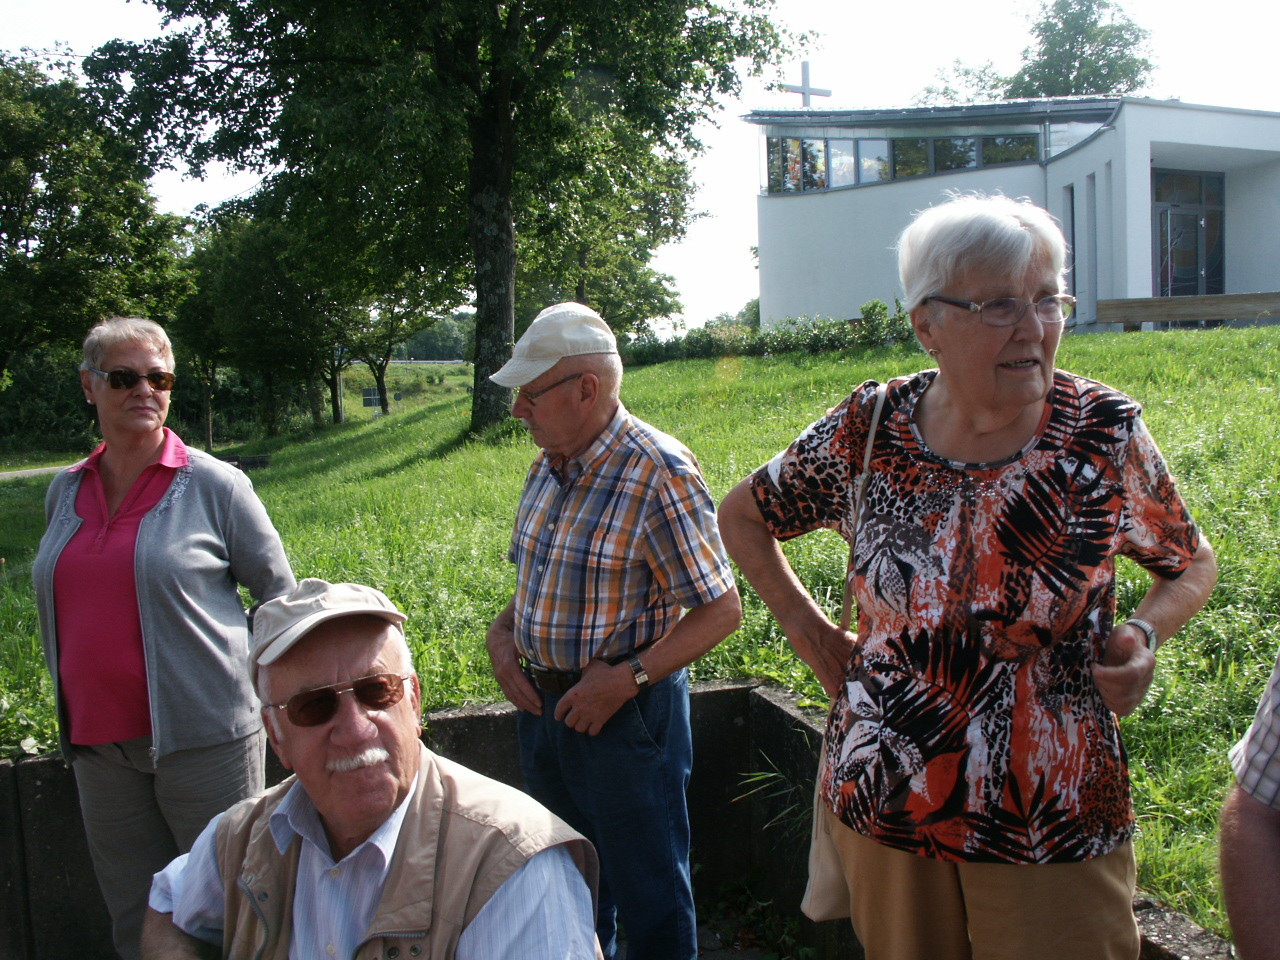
(1152, 640)
(637, 671)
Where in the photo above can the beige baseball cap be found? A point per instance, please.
(562, 330)
(282, 622)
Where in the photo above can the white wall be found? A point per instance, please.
(826, 254)
(1253, 229)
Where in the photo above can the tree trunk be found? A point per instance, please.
(206, 383)
(493, 252)
(380, 381)
(315, 400)
(334, 383)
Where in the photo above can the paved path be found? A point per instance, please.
(34, 472)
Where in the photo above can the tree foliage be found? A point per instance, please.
(438, 125)
(79, 235)
(1080, 47)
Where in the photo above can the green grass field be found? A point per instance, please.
(408, 503)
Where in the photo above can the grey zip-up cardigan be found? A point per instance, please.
(208, 533)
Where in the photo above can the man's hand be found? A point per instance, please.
(501, 644)
(595, 698)
(162, 940)
(1124, 675)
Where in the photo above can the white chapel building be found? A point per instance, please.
(1157, 199)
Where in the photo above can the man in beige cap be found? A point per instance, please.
(376, 847)
(615, 539)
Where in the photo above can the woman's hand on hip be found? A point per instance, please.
(1124, 675)
(826, 649)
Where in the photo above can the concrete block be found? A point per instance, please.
(481, 737)
(15, 930)
(69, 920)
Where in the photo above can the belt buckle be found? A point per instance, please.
(557, 682)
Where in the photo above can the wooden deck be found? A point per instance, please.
(1175, 310)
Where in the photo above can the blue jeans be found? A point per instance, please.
(624, 790)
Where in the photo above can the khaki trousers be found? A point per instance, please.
(908, 907)
(139, 815)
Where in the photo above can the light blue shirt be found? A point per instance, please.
(542, 911)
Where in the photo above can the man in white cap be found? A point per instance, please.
(615, 539)
(376, 847)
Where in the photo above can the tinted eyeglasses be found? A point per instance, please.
(382, 691)
(128, 379)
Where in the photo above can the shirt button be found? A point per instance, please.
(331, 949)
(333, 872)
(393, 953)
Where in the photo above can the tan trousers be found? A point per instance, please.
(908, 907)
(139, 815)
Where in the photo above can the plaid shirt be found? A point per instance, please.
(610, 545)
(1256, 758)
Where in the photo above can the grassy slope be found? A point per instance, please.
(407, 503)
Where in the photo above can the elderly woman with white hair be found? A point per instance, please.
(973, 771)
(137, 585)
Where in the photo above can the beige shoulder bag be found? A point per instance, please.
(826, 896)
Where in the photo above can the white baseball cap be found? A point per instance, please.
(563, 330)
(282, 622)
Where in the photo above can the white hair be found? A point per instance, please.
(974, 233)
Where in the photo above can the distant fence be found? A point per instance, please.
(1175, 311)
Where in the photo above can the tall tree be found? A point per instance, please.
(1079, 48)
(1082, 47)
(433, 119)
(79, 234)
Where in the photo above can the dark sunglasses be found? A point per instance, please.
(127, 379)
(314, 707)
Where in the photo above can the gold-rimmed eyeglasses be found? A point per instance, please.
(524, 394)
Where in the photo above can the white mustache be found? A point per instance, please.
(365, 758)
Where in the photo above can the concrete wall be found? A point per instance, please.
(52, 909)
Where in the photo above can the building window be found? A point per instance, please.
(801, 165)
(814, 153)
(954, 153)
(842, 163)
(910, 158)
(873, 161)
(1010, 149)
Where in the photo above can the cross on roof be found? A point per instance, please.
(804, 89)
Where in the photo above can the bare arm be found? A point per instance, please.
(1125, 674)
(1249, 859)
(817, 641)
(163, 940)
(605, 687)
(501, 644)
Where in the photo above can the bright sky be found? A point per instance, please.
(868, 55)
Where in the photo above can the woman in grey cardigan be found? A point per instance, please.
(137, 582)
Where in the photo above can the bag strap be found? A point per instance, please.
(846, 608)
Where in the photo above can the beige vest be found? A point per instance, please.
(462, 837)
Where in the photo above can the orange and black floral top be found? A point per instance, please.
(969, 727)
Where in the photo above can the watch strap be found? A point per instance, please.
(638, 671)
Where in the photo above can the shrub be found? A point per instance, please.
(876, 327)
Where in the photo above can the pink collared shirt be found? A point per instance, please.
(101, 666)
